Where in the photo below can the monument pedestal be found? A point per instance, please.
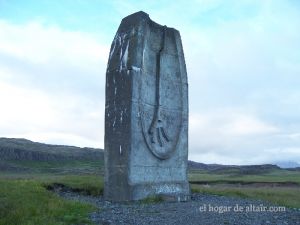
(146, 113)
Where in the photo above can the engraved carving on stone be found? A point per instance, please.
(161, 125)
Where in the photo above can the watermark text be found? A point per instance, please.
(240, 208)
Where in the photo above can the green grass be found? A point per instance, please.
(89, 184)
(273, 176)
(24, 199)
(152, 199)
(284, 196)
(57, 167)
(27, 202)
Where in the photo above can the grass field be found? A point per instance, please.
(56, 167)
(284, 196)
(24, 198)
(272, 176)
(248, 186)
(26, 201)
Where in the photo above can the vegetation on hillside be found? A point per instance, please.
(22, 149)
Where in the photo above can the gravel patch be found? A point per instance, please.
(202, 209)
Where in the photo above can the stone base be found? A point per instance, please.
(174, 192)
(176, 198)
(178, 191)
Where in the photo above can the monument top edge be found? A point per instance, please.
(137, 15)
(141, 15)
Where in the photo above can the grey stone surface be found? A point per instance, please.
(146, 113)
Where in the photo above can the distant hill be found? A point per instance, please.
(222, 169)
(22, 149)
(14, 149)
(287, 164)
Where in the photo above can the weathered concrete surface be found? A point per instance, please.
(146, 113)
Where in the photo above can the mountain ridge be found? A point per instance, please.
(22, 149)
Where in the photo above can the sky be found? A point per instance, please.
(242, 58)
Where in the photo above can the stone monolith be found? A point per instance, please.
(146, 113)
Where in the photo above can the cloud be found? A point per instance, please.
(244, 83)
(226, 129)
(37, 43)
(49, 118)
(51, 84)
(248, 125)
(243, 67)
(19, 108)
(47, 57)
(234, 136)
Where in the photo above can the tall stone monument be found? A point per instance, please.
(146, 113)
